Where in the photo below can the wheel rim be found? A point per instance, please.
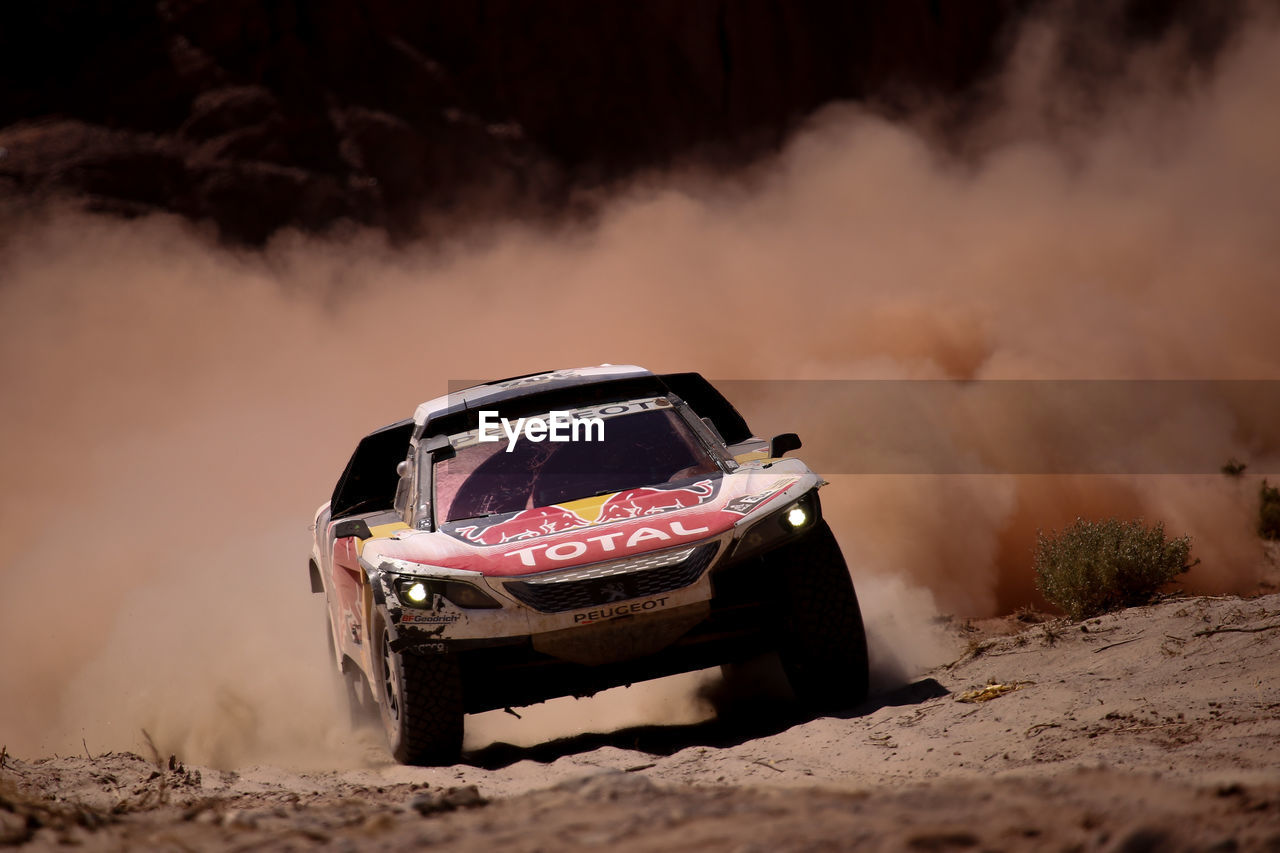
(390, 679)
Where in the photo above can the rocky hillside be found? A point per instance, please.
(311, 112)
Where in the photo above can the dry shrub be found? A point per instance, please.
(1093, 567)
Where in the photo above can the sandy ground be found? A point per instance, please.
(1157, 728)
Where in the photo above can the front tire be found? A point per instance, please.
(824, 644)
(421, 703)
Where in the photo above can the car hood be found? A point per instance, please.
(621, 524)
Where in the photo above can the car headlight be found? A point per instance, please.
(416, 593)
(421, 593)
(792, 520)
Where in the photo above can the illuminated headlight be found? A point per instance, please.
(421, 593)
(776, 527)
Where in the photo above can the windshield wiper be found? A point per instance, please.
(484, 515)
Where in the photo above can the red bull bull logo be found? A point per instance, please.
(623, 506)
(637, 503)
(526, 524)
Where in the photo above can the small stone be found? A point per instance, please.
(465, 797)
(425, 804)
(942, 840)
(14, 828)
(1143, 840)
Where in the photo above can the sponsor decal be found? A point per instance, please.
(536, 379)
(629, 407)
(746, 503)
(419, 617)
(525, 524)
(626, 505)
(603, 614)
(634, 503)
(604, 543)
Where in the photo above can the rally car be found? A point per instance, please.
(566, 532)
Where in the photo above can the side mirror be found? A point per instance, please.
(780, 445)
(356, 527)
(439, 448)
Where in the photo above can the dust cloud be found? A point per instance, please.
(174, 411)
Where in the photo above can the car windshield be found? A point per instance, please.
(639, 448)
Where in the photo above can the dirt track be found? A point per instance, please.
(1155, 728)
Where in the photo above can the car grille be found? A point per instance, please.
(621, 580)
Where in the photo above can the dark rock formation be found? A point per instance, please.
(259, 115)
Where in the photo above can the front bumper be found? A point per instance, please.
(651, 585)
(727, 615)
(587, 628)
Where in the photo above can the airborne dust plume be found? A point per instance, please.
(174, 410)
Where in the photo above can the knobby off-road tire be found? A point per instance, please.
(421, 705)
(823, 647)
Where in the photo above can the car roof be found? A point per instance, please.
(498, 391)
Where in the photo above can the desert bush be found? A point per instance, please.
(1269, 512)
(1096, 566)
(1234, 468)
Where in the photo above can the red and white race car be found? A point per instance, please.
(566, 532)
